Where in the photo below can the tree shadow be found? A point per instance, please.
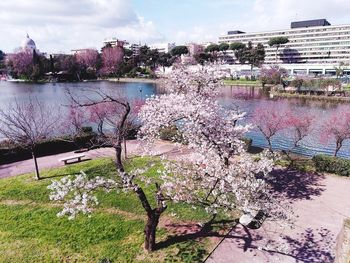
(295, 185)
(189, 232)
(57, 175)
(311, 246)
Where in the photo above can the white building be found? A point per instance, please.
(163, 47)
(29, 44)
(135, 48)
(114, 42)
(315, 46)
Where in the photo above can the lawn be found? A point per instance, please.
(30, 231)
(242, 82)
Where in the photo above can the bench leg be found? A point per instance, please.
(79, 159)
(65, 162)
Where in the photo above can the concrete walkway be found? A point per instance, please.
(320, 203)
(48, 162)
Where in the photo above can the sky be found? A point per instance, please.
(62, 25)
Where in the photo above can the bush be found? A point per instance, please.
(331, 164)
(171, 133)
(273, 75)
(13, 153)
(297, 83)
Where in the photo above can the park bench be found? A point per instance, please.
(77, 157)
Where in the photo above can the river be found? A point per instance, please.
(246, 98)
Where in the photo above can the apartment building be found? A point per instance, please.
(314, 46)
(163, 47)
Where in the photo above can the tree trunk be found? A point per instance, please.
(36, 166)
(337, 148)
(125, 152)
(118, 156)
(150, 230)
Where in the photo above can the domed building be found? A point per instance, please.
(28, 44)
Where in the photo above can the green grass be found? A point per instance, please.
(301, 164)
(30, 231)
(241, 82)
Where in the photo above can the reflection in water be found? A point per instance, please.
(246, 98)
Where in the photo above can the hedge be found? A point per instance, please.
(330, 164)
(14, 153)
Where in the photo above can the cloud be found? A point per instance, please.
(58, 25)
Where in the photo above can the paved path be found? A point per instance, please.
(48, 162)
(320, 203)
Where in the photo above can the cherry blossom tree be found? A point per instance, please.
(75, 121)
(111, 58)
(103, 108)
(219, 175)
(88, 58)
(271, 118)
(27, 124)
(20, 62)
(337, 128)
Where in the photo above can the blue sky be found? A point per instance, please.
(59, 26)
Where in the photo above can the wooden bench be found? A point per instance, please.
(77, 157)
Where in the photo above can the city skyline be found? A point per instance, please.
(86, 23)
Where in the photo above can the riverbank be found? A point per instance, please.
(135, 80)
(249, 83)
(310, 97)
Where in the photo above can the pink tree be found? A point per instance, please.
(271, 118)
(76, 119)
(88, 58)
(111, 58)
(220, 175)
(337, 127)
(21, 62)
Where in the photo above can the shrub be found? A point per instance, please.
(171, 133)
(13, 153)
(297, 83)
(332, 164)
(272, 75)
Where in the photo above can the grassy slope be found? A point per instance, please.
(31, 232)
(243, 82)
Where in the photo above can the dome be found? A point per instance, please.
(28, 43)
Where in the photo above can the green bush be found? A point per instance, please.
(171, 133)
(331, 164)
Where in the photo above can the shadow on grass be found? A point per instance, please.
(57, 176)
(190, 232)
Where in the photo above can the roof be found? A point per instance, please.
(310, 23)
(235, 32)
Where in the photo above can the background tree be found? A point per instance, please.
(237, 46)
(178, 51)
(273, 75)
(165, 60)
(339, 70)
(203, 58)
(277, 42)
(89, 61)
(27, 124)
(2, 55)
(223, 47)
(255, 56)
(271, 119)
(20, 63)
(238, 49)
(112, 57)
(212, 48)
(337, 128)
